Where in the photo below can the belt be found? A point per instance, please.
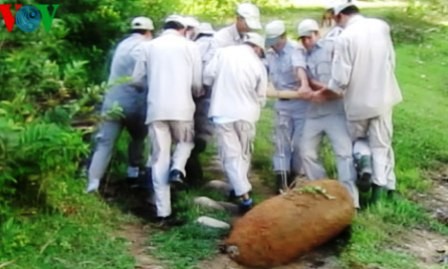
(284, 99)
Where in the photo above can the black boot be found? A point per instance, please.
(291, 180)
(364, 169)
(177, 179)
(377, 194)
(281, 179)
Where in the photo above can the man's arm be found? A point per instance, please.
(197, 70)
(303, 78)
(140, 74)
(299, 63)
(211, 70)
(341, 69)
(262, 86)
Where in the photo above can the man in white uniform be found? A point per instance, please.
(171, 65)
(363, 72)
(247, 19)
(327, 118)
(287, 71)
(131, 100)
(202, 125)
(239, 84)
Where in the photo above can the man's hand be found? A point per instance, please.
(325, 94)
(319, 96)
(305, 92)
(316, 85)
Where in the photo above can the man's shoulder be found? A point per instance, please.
(224, 35)
(226, 30)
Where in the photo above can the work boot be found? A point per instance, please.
(365, 170)
(177, 179)
(245, 205)
(377, 193)
(280, 185)
(168, 222)
(291, 180)
(391, 194)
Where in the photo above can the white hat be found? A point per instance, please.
(274, 30)
(255, 39)
(177, 18)
(251, 15)
(206, 28)
(307, 27)
(142, 23)
(191, 22)
(341, 6)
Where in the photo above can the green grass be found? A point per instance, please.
(420, 143)
(80, 237)
(83, 236)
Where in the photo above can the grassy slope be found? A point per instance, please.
(82, 239)
(420, 143)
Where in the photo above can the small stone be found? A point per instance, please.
(220, 186)
(212, 223)
(229, 207)
(208, 203)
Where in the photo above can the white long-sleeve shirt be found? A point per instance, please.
(227, 36)
(173, 69)
(363, 68)
(239, 84)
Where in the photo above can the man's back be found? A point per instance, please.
(123, 62)
(366, 44)
(239, 86)
(122, 67)
(174, 71)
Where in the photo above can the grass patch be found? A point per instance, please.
(185, 246)
(421, 70)
(80, 237)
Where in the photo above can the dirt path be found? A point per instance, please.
(137, 235)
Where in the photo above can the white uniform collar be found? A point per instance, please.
(354, 19)
(171, 32)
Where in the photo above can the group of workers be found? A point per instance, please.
(191, 84)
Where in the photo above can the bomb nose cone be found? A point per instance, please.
(233, 251)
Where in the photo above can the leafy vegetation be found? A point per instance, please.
(51, 84)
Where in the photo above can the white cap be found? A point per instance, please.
(251, 15)
(255, 39)
(337, 8)
(142, 23)
(274, 30)
(191, 22)
(206, 28)
(177, 18)
(307, 27)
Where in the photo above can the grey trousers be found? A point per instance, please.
(204, 128)
(235, 140)
(335, 128)
(162, 134)
(377, 134)
(106, 138)
(287, 134)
